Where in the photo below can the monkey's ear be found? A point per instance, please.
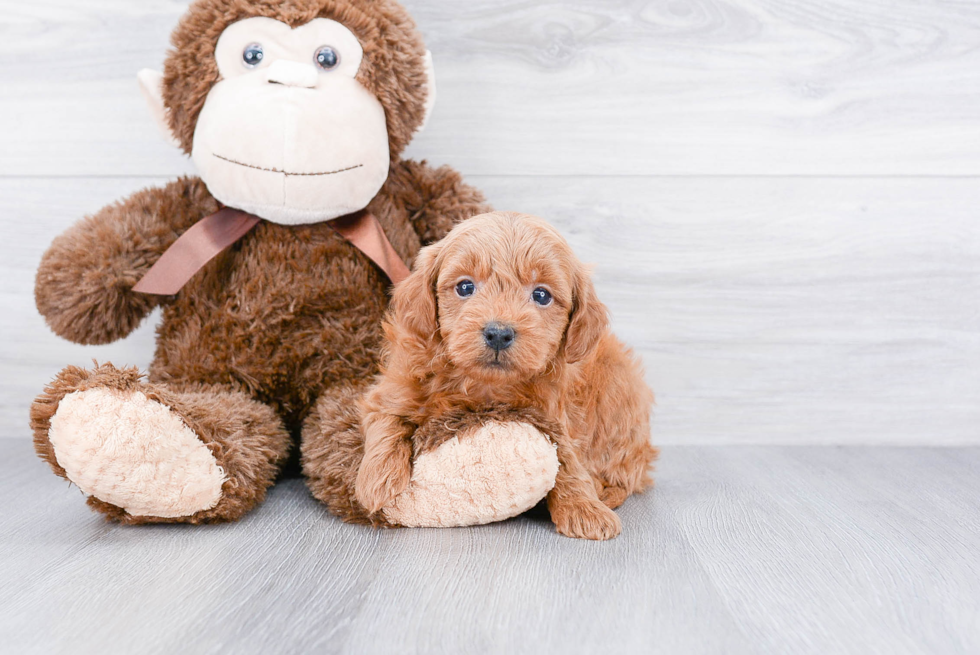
(589, 319)
(430, 98)
(414, 305)
(151, 84)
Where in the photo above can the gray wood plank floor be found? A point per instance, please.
(738, 550)
(664, 138)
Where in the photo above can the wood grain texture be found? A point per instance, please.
(662, 137)
(767, 310)
(738, 550)
(563, 87)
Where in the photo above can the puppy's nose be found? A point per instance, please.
(499, 336)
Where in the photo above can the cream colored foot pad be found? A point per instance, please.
(490, 474)
(134, 453)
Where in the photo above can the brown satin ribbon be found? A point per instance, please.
(364, 231)
(195, 248)
(212, 234)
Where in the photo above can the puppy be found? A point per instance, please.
(501, 312)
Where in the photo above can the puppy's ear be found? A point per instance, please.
(589, 319)
(413, 306)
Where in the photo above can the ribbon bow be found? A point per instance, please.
(212, 234)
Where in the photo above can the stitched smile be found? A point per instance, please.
(286, 173)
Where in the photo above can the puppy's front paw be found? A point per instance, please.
(378, 483)
(586, 520)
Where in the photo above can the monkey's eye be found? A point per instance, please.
(327, 58)
(541, 296)
(252, 55)
(465, 288)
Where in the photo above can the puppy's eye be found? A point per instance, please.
(541, 296)
(465, 288)
(253, 55)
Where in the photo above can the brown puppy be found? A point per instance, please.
(501, 312)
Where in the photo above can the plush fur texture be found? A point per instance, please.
(282, 317)
(135, 453)
(245, 437)
(333, 446)
(286, 141)
(494, 473)
(563, 362)
(285, 318)
(393, 69)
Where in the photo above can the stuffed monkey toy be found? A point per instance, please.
(273, 270)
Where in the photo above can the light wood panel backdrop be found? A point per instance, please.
(781, 197)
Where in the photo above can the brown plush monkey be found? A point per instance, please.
(294, 111)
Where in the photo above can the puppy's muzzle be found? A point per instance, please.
(499, 336)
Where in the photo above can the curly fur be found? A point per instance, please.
(286, 316)
(331, 452)
(333, 445)
(564, 363)
(245, 437)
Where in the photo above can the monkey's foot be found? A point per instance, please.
(486, 473)
(135, 453)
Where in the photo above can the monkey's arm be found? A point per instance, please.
(436, 198)
(84, 283)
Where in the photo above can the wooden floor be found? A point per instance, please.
(739, 550)
(781, 202)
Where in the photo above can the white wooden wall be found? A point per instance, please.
(781, 197)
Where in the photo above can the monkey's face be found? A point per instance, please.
(287, 133)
